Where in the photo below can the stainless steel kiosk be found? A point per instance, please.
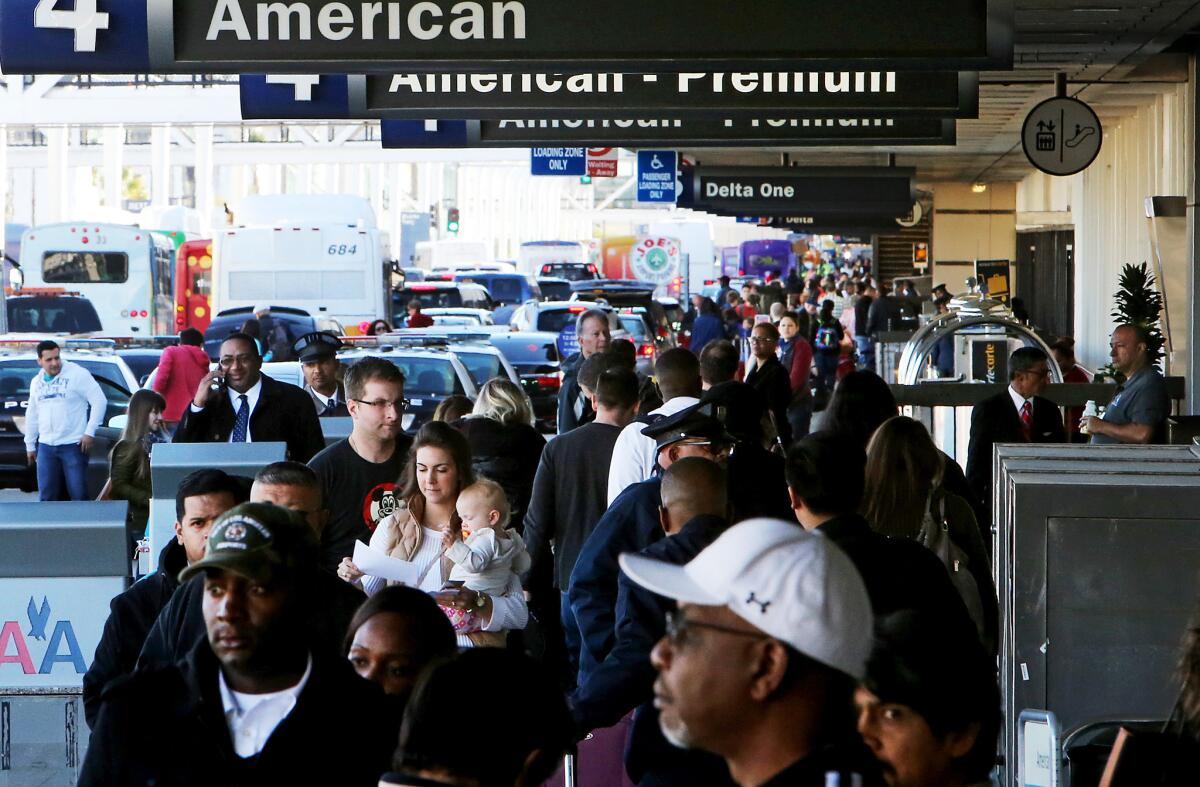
(1096, 566)
(170, 463)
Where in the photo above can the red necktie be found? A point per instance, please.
(1027, 421)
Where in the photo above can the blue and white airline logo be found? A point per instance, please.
(31, 651)
(73, 36)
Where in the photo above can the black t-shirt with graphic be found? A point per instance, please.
(357, 493)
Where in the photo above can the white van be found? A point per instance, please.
(451, 254)
(326, 258)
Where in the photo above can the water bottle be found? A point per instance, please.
(1089, 411)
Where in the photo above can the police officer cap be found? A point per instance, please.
(316, 346)
(698, 422)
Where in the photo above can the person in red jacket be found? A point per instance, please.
(415, 318)
(179, 373)
(796, 355)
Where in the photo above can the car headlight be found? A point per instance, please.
(19, 422)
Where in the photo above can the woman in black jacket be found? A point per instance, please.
(129, 462)
(770, 379)
(504, 445)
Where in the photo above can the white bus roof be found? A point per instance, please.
(265, 210)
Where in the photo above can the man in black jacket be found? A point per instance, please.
(594, 334)
(237, 403)
(1019, 414)
(825, 476)
(202, 497)
(333, 603)
(694, 512)
(253, 696)
(569, 496)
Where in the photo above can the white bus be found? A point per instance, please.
(126, 272)
(451, 254)
(331, 266)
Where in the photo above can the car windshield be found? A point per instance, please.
(520, 350)
(635, 325)
(553, 321)
(435, 298)
(505, 290)
(481, 366)
(425, 377)
(16, 376)
(571, 271)
(555, 290)
(141, 363)
(52, 315)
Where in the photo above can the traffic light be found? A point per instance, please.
(434, 215)
(585, 180)
(452, 220)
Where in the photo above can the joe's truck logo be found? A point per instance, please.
(38, 643)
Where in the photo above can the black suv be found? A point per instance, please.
(281, 327)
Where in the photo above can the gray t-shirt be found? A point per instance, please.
(1141, 400)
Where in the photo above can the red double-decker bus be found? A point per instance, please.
(193, 285)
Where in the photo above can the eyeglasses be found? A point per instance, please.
(677, 627)
(761, 340)
(400, 405)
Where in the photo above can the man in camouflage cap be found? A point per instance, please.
(253, 694)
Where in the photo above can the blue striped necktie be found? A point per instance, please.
(241, 423)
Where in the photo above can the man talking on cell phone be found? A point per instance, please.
(237, 403)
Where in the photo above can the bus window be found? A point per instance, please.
(80, 267)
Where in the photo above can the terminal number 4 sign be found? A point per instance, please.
(85, 20)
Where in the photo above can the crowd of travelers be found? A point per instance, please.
(749, 592)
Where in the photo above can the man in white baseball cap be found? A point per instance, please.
(760, 660)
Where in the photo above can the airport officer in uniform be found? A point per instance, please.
(317, 352)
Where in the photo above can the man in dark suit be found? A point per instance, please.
(1017, 415)
(317, 352)
(237, 403)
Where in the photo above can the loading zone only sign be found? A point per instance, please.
(1062, 136)
(558, 161)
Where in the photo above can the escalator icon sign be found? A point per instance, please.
(1062, 136)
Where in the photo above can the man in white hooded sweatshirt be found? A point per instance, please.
(66, 406)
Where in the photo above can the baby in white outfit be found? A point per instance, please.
(489, 554)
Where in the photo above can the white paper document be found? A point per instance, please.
(376, 564)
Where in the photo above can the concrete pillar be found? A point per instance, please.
(54, 208)
(160, 166)
(205, 176)
(114, 165)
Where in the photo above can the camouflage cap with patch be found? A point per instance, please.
(259, 541)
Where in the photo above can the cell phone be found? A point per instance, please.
(218, 383)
